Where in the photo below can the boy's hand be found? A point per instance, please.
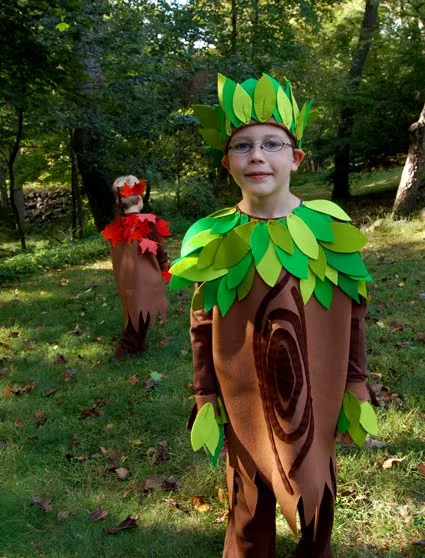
(345, 438)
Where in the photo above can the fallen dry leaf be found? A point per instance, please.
(109, 452)
(49, 392)
(134, 379)
(63, 515)
(403, 344)
(44, 504)
(421, 469)
(122, 473)
(221, 518)
(7, 392)
(388, 463)
(397, 326)
(75, 331)
(60, 359)
(101, 401)
(98, 514)
(150, 484)
(420, 336)
(41, 418)
(68, 374)
(130, 522)
(200, 504)
(93, 413)
(19, 422)
(25, 389)
(13, 335)
(169, 484)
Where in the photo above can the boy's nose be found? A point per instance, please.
(256, 153)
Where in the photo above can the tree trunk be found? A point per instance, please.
(405, 201)
(234, 35)
(77, 211)
(10, 164)
(4, 200)
(341, 188)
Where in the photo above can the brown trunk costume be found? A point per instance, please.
(281, 429)
(140, 288)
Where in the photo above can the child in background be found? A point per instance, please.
(140, 264)
(277, 326)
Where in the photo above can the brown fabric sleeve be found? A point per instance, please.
(357, 364)
(204, 379)
(161, 254)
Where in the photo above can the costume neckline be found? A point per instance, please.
(268, 218)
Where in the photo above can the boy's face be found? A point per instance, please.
(261, 173)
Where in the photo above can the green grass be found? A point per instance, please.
(379, 511)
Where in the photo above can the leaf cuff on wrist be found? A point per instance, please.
(208, 431)
(358, 418)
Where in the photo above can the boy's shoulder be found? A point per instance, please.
(316, 243)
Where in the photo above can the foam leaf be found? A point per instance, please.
(259, 241)
(208, 253)
(228, 93)
(348, 286)
(210, 294)
(207, 116)
(198, 299)
(280, 235)
(350, 264)
(362, 289)
(331, 274)
(297, 264)
(220, 85)
(205, 429)
(323, 291)
(358, 433)
(237, 272)
(200, 240)
(351, 407)
(269, 267)
(343, 422)
(329, 208)
(299, 127)
(177, 283)
(264, 99)
(225, 224)
(319, 266)
(295, 108)
(232, 249)
(212, 138)
(307, 286)
(200, 225)
(317, 222)
(225, 296)
(188, 269)
(223, 212)
(302, 236)
(347, 238)
(215, 454)
(242, 104)
(245, 287)
(285, 108)
(368, 418)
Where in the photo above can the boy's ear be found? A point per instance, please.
(225, 161)
(297, 157)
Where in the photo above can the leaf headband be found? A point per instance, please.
(252, 99)
(126, 190)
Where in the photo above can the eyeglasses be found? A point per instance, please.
(270, 145)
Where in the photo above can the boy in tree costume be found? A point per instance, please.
(140, 263)
(277, 325)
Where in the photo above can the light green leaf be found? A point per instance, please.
(200, 240)
(302, 236)
(201, 225)
(299, 129)
(362, 289)
(220, 86)
(329, 208)
(208, 253)
(307, 286)
(347, 238)
(242, 104)
(212, 138)
(232, 249)
(319, 266)
(62, 26)
(188, 269)
(280, 235)
(205, 429)
(358, 433)
(317, 222)
(264, 99)
(368, 418)
(269, 267)
(351, 407)
(285, 108)
(223, 212)
(198, 299)
(332, 274)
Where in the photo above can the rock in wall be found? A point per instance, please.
(47, 205)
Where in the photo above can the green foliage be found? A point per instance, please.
(196, 198)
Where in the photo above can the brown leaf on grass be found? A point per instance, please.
(98, 514)
(7, 392)
(60, 359)
(221, 518)
(44, 504)
(41, 417)
(170, 484)
(134, 488)
(200, 504)
(75, 331)
(68, 374)
(145, 486)
(63, 515)
(130, 522)
(49, 392)
(93, 413)
(134, 379)
(4, 372)
(19, 422)
(388, 463)
(25, 389)
(101, 402)
(150, 484)
(13, 335)
(109, 452)
(122, 473)
(164, 341)
(397, 326)
(403, 344)
(157, 455)
(419, 335)
(419, 542)
(421, 469)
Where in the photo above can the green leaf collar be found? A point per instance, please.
(315, 243)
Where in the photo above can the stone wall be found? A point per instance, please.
(47, 205)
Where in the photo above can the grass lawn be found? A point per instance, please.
(72, 423)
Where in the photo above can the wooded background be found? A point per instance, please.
(90, 90)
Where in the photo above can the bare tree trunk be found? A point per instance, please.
(10, 165)
(341, 188)
(405, 201)
(233, 38)
(77, 210)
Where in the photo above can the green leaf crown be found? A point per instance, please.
(253, 99)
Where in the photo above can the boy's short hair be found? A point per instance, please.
(128, 201)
